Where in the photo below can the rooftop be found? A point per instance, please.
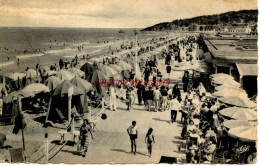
(233, 49)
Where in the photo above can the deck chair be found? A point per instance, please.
(17, 155)
(61, 116)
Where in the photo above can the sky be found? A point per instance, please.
(110, 13)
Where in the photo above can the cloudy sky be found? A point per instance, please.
(110, 13)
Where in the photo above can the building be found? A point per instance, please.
(237, 28)
(234, 57)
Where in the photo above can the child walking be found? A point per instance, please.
(149, 139)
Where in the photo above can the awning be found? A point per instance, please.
(247, 69)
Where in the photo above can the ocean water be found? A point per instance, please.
(47, 45)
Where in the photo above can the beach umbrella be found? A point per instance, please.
(51, 72)
(9, 98)
(220, 75)
(220, 80)
(238, 113)
(226, 82)
(238, 101)
(244, 133)
(108, 71)
(62, 89)
(125, 65)
(130, 62)
(228, 87)
(5, 78)
(16, 76)
(65, 75)
(33, 89)
(30, 73)
(52, 82)
(77, 72)
(99, 81)
(116, 67)
(199, 69)
(82, 84)
(88, 68)
(230, 92)
(230, 124)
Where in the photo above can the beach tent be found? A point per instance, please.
(52, 82)
(108, 71)
(82, 84)
(99, 82)
(130, 62)
(77, 72)
(126, 68)
(88, 68)
(238, 113)
(61, 103)
(125, 65)
(65, 75)
(238, 101)
(117, 68)
(244, 133)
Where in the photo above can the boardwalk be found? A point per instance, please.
(111, 143)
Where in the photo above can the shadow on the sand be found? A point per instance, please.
(57, 142)
(72, 152)
(178, 142)
(161, 120)
(179, 137)
(120, 150)
(180, 152)
(6, 147)
(40, 119)
(123, 151)
(141, 153)
(180, 125)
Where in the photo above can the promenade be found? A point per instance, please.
(111, 142)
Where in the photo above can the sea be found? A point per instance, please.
(32, 45)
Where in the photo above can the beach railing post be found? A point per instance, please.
(135, 53)
(46, 148)
(73, 129)
(103, 104)
(70, 92)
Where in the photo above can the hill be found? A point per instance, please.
(245, 16)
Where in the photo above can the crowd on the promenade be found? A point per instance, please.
(148, 86)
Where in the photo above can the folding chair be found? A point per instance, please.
(61, 116)
(17, 155)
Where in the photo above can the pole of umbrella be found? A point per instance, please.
(135, 53)
(70, 92)
(20, 112)
(48, 111)
(23, 140)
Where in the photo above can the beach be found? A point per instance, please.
(64, 43)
